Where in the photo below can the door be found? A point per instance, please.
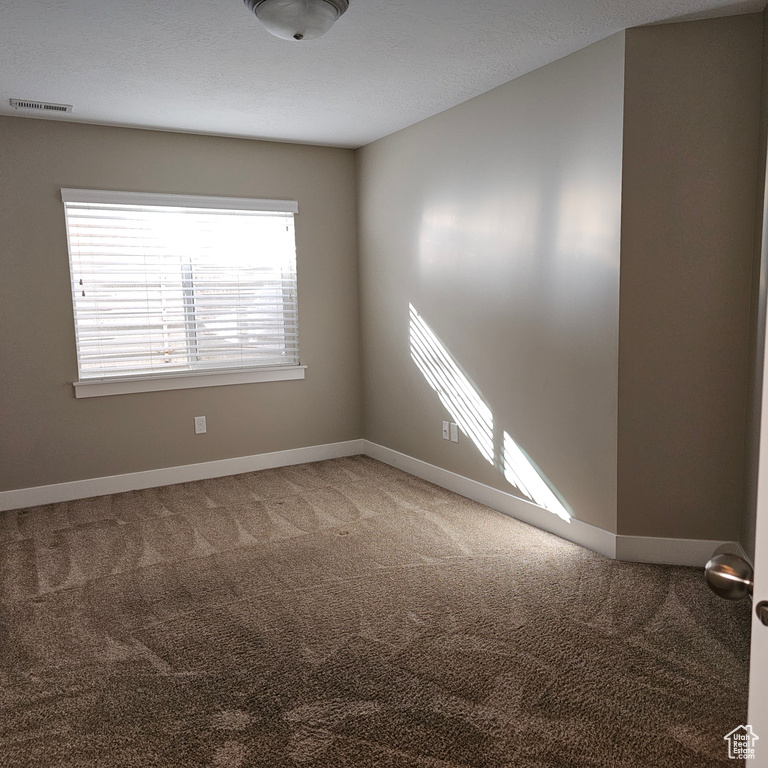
(758, 671)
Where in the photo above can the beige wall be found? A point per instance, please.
(692, 94)
(48, 436)
(499, 220)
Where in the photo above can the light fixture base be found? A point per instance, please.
(297, 19)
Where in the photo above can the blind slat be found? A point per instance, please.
(159, 287)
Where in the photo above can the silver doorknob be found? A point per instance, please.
(729, 576)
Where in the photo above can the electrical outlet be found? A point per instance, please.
(446, 434)
(454, 433)
(200, 428)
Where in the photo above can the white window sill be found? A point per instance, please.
(104, 387)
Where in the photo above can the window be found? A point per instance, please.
(177, 291)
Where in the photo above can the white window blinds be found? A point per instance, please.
(180, 284)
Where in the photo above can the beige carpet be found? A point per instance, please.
(344, 614)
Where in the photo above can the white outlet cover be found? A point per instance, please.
(200, 428)
(454, 433)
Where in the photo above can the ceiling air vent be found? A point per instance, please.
(42, 106)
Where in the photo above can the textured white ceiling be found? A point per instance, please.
(208, 66)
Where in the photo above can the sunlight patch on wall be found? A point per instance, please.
(454, 389)
(586, 226)
(475, 419)
(495, 222)
(520, 471)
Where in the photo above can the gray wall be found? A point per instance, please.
(47, 436)
(499, 220)
(691, 104)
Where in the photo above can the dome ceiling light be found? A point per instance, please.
(298, 19)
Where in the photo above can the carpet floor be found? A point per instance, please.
(344, 614)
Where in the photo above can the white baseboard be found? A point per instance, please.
(741, 552)
(640, 549)
(584, 534)
(655, 549)
(100, 486)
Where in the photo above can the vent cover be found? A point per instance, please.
(43, 106)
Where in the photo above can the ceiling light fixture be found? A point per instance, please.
(298, 19)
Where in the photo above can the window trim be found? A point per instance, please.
(108, 197)
(161, 382)
(93, 387)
